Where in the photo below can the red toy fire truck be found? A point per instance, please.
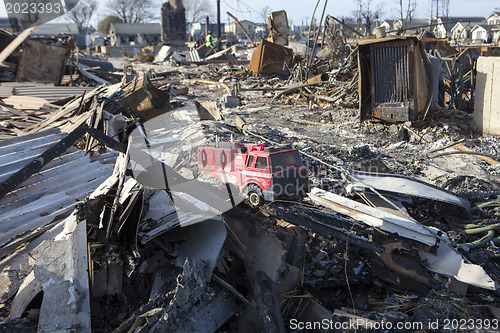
(260, 172)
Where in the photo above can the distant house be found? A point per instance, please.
(479, 32)
(125, 34)
(261, 31)
(391, 25)
(442, 25)
(233, 29)
(197, 29)
(493, 19)
(461, 31)
(97, 39)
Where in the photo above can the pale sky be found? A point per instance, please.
(299, 11)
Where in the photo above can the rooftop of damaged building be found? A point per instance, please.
(128, 183)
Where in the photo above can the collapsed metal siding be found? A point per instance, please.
(51, 194)
(47, 91)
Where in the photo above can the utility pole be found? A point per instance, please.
(207, 22)
(218, 20)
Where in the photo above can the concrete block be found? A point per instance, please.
(230, 101)
(487, 99)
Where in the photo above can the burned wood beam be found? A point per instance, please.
(231, 289)
(346, 26)
(42, 160)
(107, 141)
(325, 229)
(54, 151)
(92, 76)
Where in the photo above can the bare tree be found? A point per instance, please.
(440, 8)
(406, 11)
(445, 8)
(133, 11)
(365, 14)
(103, 25)
(82, 13)
(197, 10)
(263, 13)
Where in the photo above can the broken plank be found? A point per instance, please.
(92, 76)
(374, 217)
(14, 44)
(26, 102)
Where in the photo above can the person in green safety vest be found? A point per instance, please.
(209, 39)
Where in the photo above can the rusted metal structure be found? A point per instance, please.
(270, 58)
(395, 79)
(41, 62)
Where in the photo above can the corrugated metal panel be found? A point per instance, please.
(51, 194)
(391, 66)
(195, 56)
(48, 91)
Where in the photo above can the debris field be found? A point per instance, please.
(108, 222)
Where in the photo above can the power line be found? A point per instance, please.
(239, 10)
(244, 4)
(234, 9)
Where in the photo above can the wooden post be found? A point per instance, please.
(241, 27)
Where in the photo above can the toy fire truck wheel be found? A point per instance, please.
(255, 198)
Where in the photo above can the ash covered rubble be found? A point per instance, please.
(109, 225)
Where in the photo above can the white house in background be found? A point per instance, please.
(479, 33)
(261, 31)
(442, 25)
(493, 19)
(461, 31)
(391, 25)
(397, 24)
(134, 33)
(233, 29)
(387, 24)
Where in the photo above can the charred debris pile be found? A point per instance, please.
(109, 223)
